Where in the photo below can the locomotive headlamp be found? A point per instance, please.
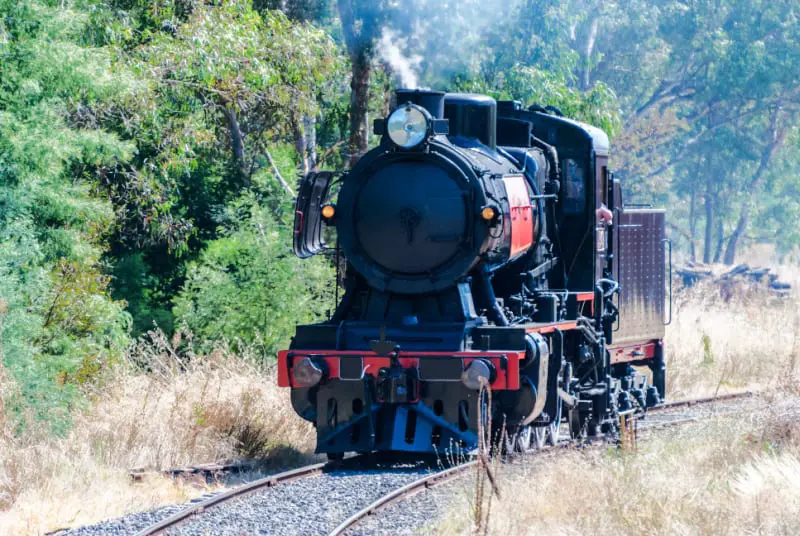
(407, 126)
(307, 373)
(328, 211)
(477, 374)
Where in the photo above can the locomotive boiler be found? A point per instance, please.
(486, 248)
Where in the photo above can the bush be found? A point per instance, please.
(58, 326)
(248, 286)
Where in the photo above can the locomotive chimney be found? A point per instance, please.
(433, 101)
(472, 116)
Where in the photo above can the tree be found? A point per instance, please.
(360, 25)
(59, 328)
(727, 72)
(221, 89)
(248, 288)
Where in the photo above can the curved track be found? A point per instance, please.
(406, 491)
(256, 485)
(399, 493)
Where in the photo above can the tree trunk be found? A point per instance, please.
(738, 232)
(277, 173)
(720, 241)
(237, 142)
(777, 136)
(359, 104)
(587, 60)
(709, 205)
(359, 40)
(300, 144)
(310, 128)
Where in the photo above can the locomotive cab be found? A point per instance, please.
(475, 258)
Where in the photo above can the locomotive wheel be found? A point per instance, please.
(517, 441)
(577, 424)
(538, 436)
(554, 428)
(524, 439)
(335, 456)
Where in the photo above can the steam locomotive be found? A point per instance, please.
(490, 271)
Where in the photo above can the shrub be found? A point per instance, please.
(248, 286)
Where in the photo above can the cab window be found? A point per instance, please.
(574, 187)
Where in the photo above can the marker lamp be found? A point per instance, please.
(477, 374)
(307, 373)
(328, 211)
(407, 126)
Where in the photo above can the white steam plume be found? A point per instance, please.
(426, 42)
(405, 67)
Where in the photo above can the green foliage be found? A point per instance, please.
(220, 87)
(597, 107)
(247, 287)
(59, 327)
(148, 148)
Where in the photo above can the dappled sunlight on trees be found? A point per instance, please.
(149, 150)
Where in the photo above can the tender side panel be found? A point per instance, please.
(640, 269)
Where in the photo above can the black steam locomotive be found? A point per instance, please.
(486, 245)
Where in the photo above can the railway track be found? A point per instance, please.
(409, 485)
(239, 491)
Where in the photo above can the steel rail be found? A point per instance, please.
(404, 492)
(700, 401)
(453, 473)
(263, 483)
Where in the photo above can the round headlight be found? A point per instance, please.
(407, 126)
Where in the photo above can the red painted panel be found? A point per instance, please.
(522, 222)
(633, 352)
(550, 328)
(283, 369)
(506, 379)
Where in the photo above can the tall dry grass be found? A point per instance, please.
(732, 338)
(185, 410)
(727, 477)
(189, 409)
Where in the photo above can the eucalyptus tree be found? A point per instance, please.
(732, 76)
(709, 92)
(220, 91)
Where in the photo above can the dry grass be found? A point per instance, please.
(740, 338)
(184, 411)
(721, 477)
(196, 409)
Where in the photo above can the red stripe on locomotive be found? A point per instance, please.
(507, 375)
(522, 221)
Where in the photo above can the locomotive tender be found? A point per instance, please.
(486, 245)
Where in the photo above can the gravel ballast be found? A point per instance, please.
(309, 506)
(314, 505)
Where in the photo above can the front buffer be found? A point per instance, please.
(412, 402)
